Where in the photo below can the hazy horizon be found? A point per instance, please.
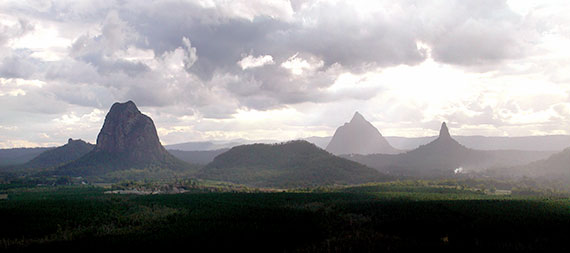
(283, 70)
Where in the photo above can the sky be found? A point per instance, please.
(222, 70)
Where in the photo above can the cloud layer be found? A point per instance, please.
(193, 64)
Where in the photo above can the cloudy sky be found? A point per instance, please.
(221, 70)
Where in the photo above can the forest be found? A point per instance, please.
(447, 215)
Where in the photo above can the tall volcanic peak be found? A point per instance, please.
(444, 131)
(128, 139)
(357, 117)
(359, 137)
(129, 132)
(443, 142)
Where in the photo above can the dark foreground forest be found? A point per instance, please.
(398, 216)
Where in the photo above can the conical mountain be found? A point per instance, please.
(291, 164)
(444, 131)
(73, 150)
(442, 158)
(127, 140)
(359, 137)
(444, 144)
(437, 158)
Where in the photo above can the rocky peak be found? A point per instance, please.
(444, 131)
(358, 118)
(359, 137)
(129, 132)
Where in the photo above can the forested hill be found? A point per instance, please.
(290, 164)
(73, 150)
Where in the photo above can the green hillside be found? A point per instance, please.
(73, 150)
(290, 164)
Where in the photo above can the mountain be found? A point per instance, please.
(127, 141)
(214, 144)
(290, 164)
(442, 156)
(71, 151)
(321, 142)
(197, 157)
(203, 145)
(359, 137)
(548, 143)
(18, 156)
(530, 143)
(555, 167)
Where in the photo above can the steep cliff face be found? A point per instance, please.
(128, 132)
(127, 140)
(359, 137)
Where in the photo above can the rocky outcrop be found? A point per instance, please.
(359, 137)
(444, 131)
(127, 140)
(128, 132)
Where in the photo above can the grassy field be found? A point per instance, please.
(375, 217)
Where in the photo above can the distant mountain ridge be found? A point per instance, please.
(359, 137)
(528, 143)
(442, 156)
(291, 164)
(18, 156)
(555, 167)
(197, 157)
(547, 143)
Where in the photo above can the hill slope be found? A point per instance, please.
(441, 157)
(73, 150)
(555, 167)
(359, 137)
(290, 164)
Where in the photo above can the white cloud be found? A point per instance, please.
(279, 69)
(253, 62)
(298, 65)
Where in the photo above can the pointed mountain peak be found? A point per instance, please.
(444, 131)
(359, 137)
(357, 117)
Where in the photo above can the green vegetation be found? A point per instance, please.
(73, 150)
(286, 165)
(106, 167)
(394, 216)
